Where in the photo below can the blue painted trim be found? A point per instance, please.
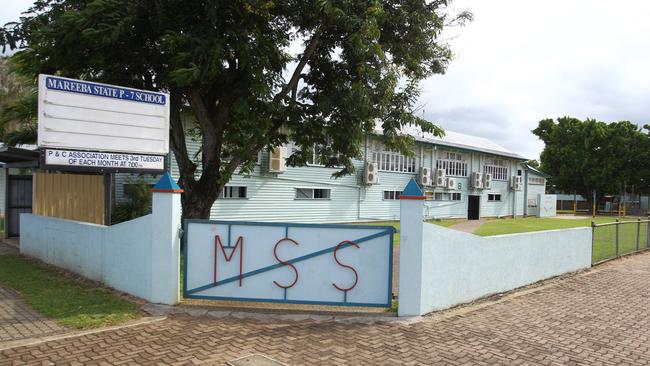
(412, 189)
(166, 182)
(191, 294)
(185, 246)
(303, 302)
(116, 92)
(292, 261)
(283, 224)
(390, 271)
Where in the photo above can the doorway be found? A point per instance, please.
(473, 207)
(19, 200)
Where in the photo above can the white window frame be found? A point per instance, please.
(292, 147)
(494, 197)
(540, 181)
(312, 195)
(446, 196)
(391, 195)
(393, 161)
(453, 163)
(497, 167)
(228, 191)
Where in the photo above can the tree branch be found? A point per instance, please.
(295, 77)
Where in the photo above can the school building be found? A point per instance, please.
(463, 176)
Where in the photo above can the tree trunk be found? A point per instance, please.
(198, 200)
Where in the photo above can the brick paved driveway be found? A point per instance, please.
(601, 317)
(17, 320)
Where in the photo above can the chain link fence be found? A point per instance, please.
(614, 239)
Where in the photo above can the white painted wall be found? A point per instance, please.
(457, 267)
(139, 257)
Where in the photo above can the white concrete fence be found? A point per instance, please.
(439, 267)
(139, 257)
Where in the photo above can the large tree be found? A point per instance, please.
(229, 64)
(587, 156)
(18, 103)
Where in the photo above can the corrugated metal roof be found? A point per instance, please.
(458, 140)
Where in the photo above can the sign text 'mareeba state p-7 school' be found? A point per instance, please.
(93, 125)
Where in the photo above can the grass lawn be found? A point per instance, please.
(604, 238)
(395, 224)
(69, 301)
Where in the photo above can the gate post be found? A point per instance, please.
(165, 241)
(410, 250)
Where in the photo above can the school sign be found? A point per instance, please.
(95, 127)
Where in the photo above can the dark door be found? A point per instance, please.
(19, 200)
(473, 207)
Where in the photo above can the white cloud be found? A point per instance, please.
(522, 61)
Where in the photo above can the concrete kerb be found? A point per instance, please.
(73, 334)
(269, 316)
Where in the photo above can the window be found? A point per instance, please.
(446, 196)
(497, 168)
(393, 161)
(494, 198)
(453, 163)
(234, 192)
(313, 155)
(312, 193)
(537, 180)
(428, 196)
(391, 195)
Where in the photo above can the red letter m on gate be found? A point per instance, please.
(240, 244)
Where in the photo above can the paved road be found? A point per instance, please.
(468, 226)
(601, 317)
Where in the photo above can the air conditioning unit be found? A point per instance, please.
(516, 183)
(441, 178)
(277, 162)
(425, 176)
(477, 180)
(487, 181)
(451, 183)
(370, 173)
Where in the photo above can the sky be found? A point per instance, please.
(520, 62)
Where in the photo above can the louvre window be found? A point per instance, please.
(393, 161)
(494, 197)
(391, 195)
(234, 192)
(454, 164)
(312, 193)
(537, 181)
(497, 168)
(447, 196)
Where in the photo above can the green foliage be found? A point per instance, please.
(253, 73)
(138, 201)
(18, 105)
(584, 156)
(72, 303)
(533, 163)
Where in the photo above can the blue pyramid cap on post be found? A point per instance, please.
(167, 184)
(412, 191)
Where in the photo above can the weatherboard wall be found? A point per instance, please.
(272, 197)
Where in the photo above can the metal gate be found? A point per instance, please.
(343, 265)
(19, 200)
